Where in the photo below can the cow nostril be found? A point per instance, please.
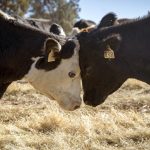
(76, 107)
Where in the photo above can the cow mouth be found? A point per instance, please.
(76, 105)
(94, 101)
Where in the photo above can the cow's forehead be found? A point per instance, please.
(57, 68)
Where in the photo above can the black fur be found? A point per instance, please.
(84, 23)
(100, 76)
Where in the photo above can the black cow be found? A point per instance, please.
(44, 59)
(43, 24)
(38, 23)
(84, 24)
(111, 19)
(88, 25)
(111, 55)
(46, 25)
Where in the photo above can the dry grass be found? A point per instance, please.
(29, 121)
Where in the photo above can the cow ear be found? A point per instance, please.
(52, 49)
(111, 46)
(109, 19)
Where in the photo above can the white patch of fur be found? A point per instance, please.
(62, 32)
(92, 26)
(57, 84)
(6, 16)
(75, 31)
(35, 58)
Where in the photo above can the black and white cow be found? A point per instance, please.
(57, 29)
(44, 59)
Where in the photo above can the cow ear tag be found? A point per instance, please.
(109, 53)
(51, 56)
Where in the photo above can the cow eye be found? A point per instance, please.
(71, 74)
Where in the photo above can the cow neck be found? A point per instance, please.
(134, 50)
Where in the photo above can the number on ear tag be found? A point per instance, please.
(109, 53)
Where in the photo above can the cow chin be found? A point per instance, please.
(93, 102)
(93, 99)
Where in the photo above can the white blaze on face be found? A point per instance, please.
(56, 83)
(62, 32)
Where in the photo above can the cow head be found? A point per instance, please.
(99, 62)
(57, 73)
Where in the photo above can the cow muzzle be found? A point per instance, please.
(71, 105)
(94, 101)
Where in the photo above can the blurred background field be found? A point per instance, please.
(30, 121)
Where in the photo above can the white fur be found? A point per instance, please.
(6, 16)
(62, 32)
(75, 31)
(57, 84)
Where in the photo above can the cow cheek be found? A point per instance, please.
(70, 98)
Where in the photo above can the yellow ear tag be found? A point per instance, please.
(109, 53)
(51, 57)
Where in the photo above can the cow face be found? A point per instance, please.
(57, 73)
(100, 76)
(101, 71)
